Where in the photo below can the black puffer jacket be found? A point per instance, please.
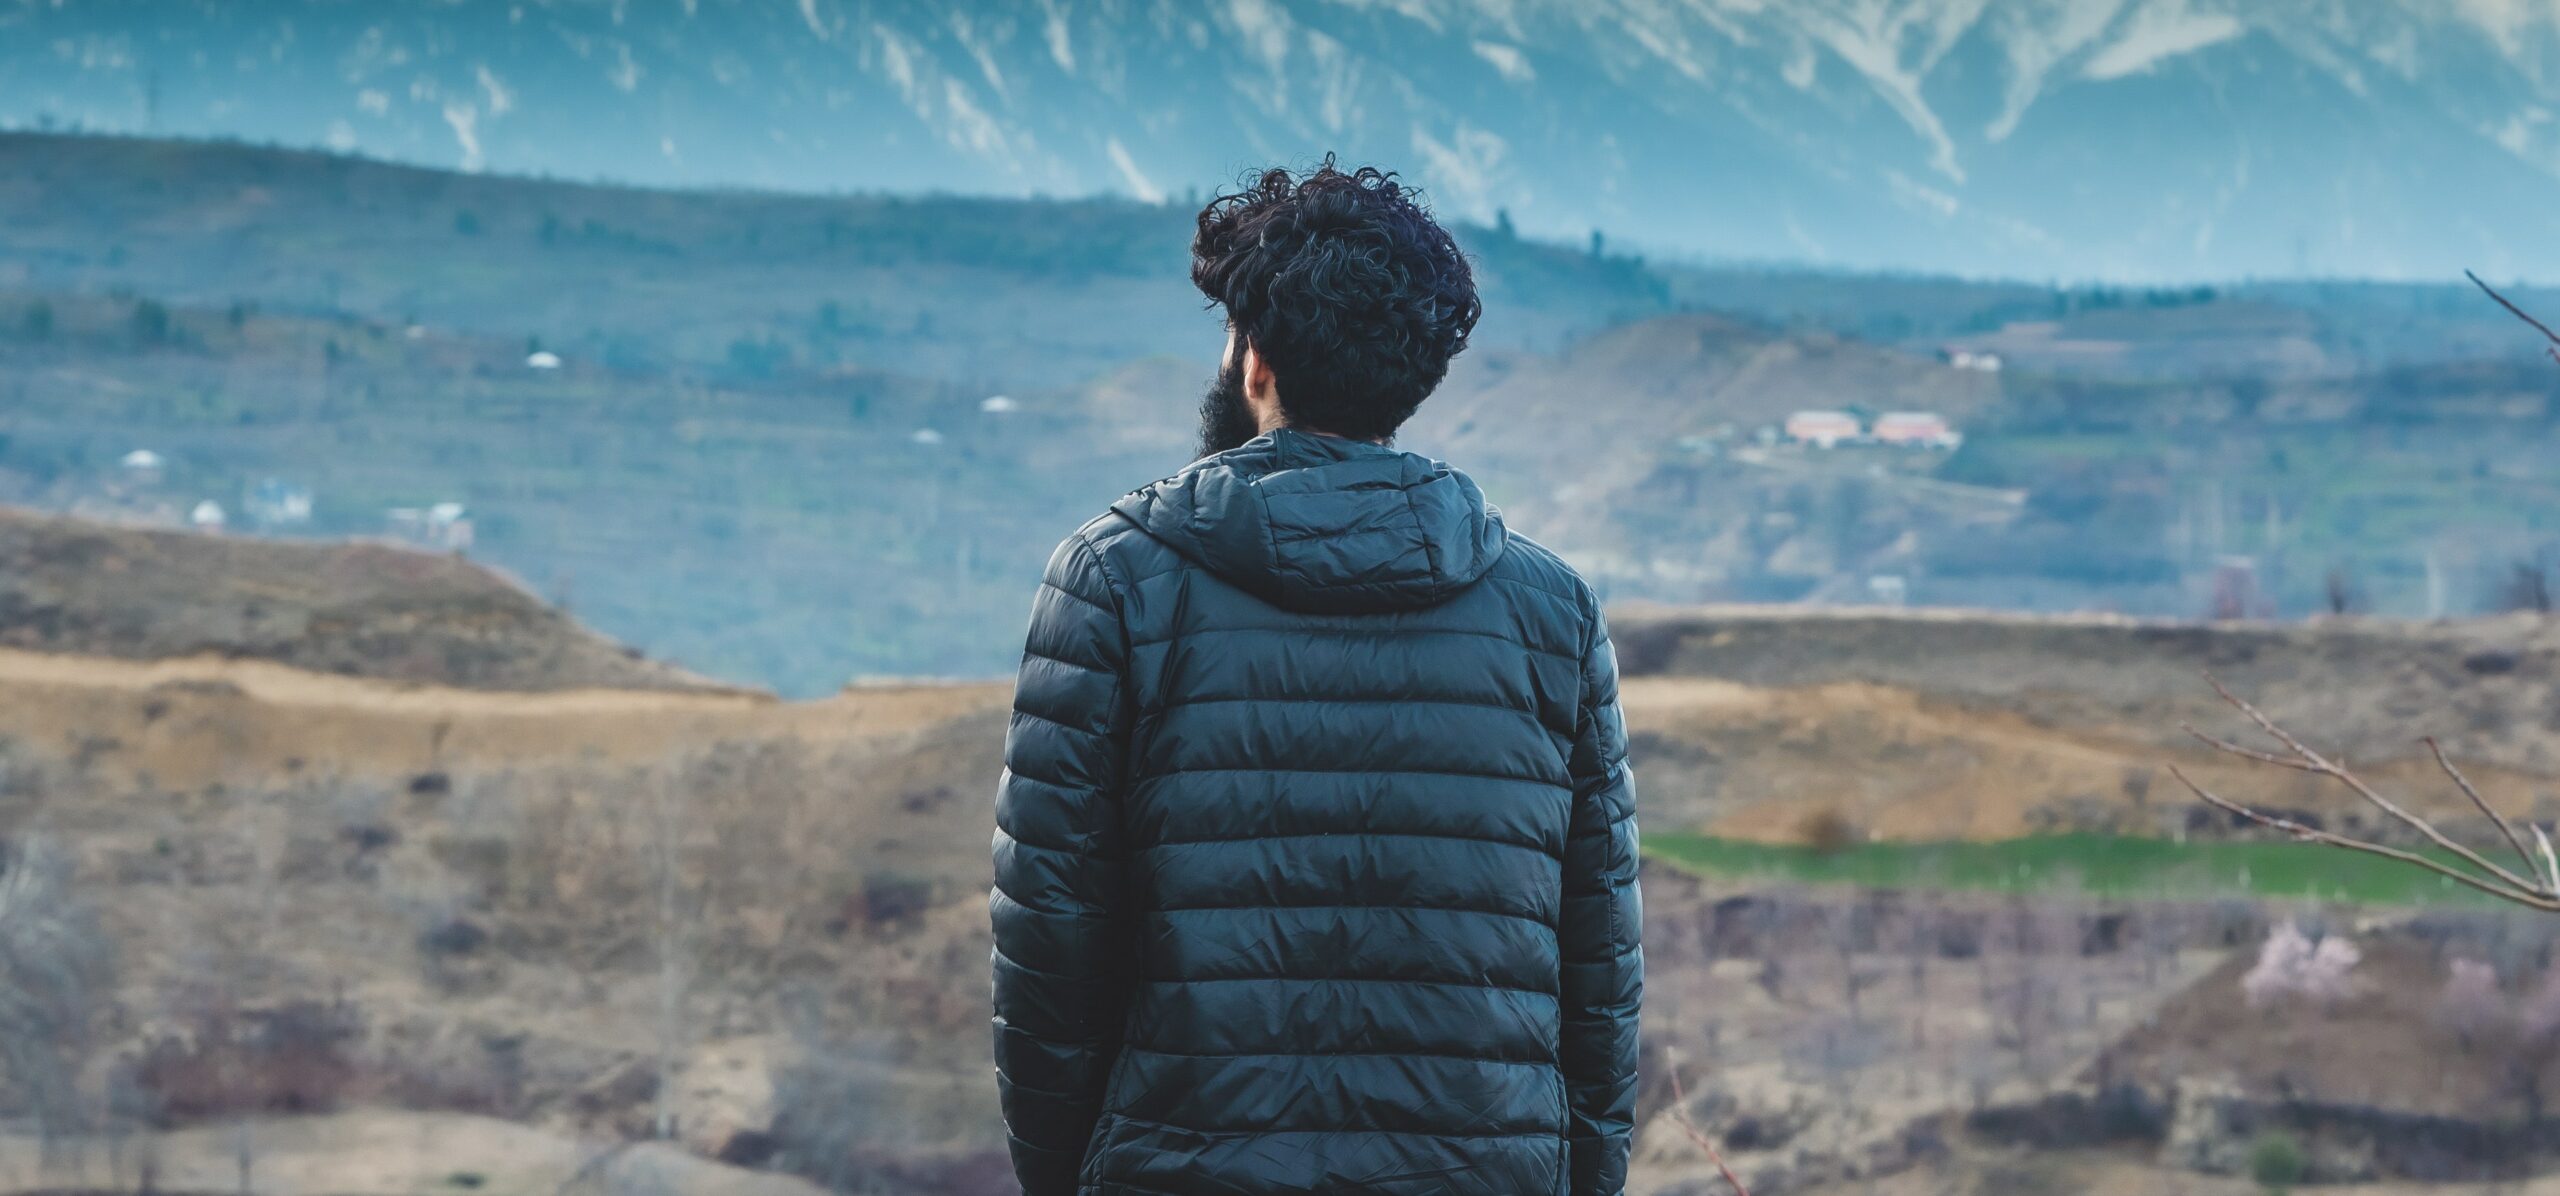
(1316, 860)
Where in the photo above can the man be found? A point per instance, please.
(1316, 859)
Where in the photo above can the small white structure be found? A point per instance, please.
(1916, 429)
(275, 502)
(207, 517)
(446, 525)
(1970, 359)
(542, 359)
(143, 467)
(926, 436)
(998, 405)
(1824, 429)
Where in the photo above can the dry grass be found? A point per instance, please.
(69, 585)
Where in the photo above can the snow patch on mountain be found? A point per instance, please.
(2160, 31)
(1976, 135)
(465, 121)
(2038, 41)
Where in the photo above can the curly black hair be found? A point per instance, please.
(1344, 283)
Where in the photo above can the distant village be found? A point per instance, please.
(139, 493)
(142, 488)
(268, 505)
(1898, 429)
(1830, 429)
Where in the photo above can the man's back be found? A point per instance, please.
(1316, 852)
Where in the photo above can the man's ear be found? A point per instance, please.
(1261, 387)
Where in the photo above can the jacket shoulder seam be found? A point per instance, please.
(1083, 539)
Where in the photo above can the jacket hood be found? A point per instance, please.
(1324, 525)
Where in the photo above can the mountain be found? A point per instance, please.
(797, 391)
(2120, 139)
(995, 293)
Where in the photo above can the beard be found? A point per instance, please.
(1225, 420)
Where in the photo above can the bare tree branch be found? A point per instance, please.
(2519, 313)
(2324, 766)
(2541, 891)
(2505, 827)
(2310, 835)
(2220, 744)
(1680, 1113)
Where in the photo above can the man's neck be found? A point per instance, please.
(1307, 431)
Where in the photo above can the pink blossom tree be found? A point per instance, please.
(2292, 967)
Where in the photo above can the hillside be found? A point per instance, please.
(1025, 292)
(2121, 139)
(1636, 450)
(1022, 293)
(1999, 725)
(462, 917)
(885, 523)
(363, 610)
(792, 533)
(796, 391)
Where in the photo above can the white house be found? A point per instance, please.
(143, 467)
(1916, 429)
(445, 525)
(1823, 429)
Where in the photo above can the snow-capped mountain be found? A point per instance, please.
(2127, 139)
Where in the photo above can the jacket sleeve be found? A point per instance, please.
(1603, 981)
(1061, 944)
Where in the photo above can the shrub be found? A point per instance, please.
(2276, 1161)
(289, 1059)
(895, 898)
(150, 322)
(1829, 832)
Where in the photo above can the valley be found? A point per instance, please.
(502, 681)
(789, 461)
(507, 926)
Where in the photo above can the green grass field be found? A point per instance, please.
(2093, 864)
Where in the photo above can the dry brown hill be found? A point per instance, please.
(491, 899)
(1948, 725)
(361, 609)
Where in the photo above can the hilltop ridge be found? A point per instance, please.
(365, 609)
(2312, 137)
